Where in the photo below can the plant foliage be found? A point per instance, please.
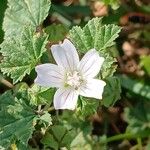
(22, 13)
(101, 37)
(94, 35)
(28, 50)
(17, 120)
(138, 119)
(112, 91)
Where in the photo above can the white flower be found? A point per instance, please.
(71, 76)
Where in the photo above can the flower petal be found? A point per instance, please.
(65, 99)
(49, 75)
(65, 55)
(93, 88)
(91, 63)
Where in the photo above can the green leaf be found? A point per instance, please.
(138, 118)
(145, 63)
(94, 35)
(135, 86)
(56, 32)
(78, 127)
(90, 31)
(113, 3)
(40, 95)
(46, 118)
(76, 35)
(57, 137)
(108, 67)
(22, 147)
(112, 91)
(2, 8)
(20, 88)
(102, 143)
(49, 141)
(58, 132)
(70, 10)
(87, 107)
(16, 120)
(21, 55)
(82, 140)
(82, 137)
(98, 36)
(24, 12)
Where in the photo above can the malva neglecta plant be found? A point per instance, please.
(70, 76)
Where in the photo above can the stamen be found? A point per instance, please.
(74, 79)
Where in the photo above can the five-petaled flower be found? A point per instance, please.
(71, 76)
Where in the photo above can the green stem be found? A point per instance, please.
(49, 55)
(139, 141)
(135, 147)
(48, 108)
(51, 109)
(119, 137)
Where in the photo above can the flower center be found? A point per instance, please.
(73, 79)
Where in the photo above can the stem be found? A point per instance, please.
(57, 114)
(119, 137)
(51, 109)
(39, 110)
(35, 143)
(139, 141)
(48, 108)
(134, 147)
(49, 54)
(5, 82)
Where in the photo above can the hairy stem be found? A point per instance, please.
(5, 82)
